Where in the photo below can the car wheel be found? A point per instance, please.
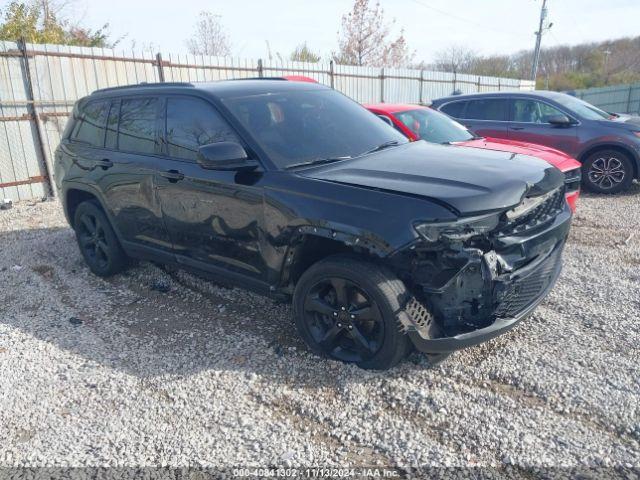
(347, 309)
(97, 240)
(607, 171)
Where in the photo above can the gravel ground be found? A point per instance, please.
(157, 367)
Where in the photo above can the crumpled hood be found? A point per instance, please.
(469, 180)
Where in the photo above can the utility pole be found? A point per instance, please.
(541, 29)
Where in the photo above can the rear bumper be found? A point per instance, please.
(550, 267)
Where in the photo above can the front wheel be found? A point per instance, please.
(347, 309)
(607, 171)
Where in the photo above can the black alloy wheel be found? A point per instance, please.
(343, 320)
(350, 309)
(98, 242)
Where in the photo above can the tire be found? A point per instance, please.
(97, 241)
(318, 312)
(607, 171)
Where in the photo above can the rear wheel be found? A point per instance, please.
(347, 309)
(607, 171)
(97, 240)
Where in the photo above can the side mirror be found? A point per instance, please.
(560, 120)
(225, 156)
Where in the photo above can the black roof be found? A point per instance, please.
(220, 89)
(514, 93)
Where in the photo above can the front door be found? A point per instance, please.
(214, 217)
(530, 124)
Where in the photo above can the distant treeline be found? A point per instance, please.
(561, 68)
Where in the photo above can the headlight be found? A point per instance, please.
(572, 176)
(458, 230)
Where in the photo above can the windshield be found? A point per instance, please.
(298, 127)
(433, 126)
(582, 108)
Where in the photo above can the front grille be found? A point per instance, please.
(540, 215)
(512, 298)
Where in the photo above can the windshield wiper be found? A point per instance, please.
(391, 143)
(318, 161)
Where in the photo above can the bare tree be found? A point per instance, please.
(303, 53)
(364, 39)
(455, 58)
(209, 37)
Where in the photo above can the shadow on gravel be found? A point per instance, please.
(632, 192)
(151, 322)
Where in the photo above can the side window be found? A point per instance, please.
(487, 109)
(191, 123)
(454, 109)
(532, 111)
(137, 126)
(91, 124)
(111, 140)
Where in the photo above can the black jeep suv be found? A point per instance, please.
(295, 191)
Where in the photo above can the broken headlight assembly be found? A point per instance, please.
(458, 230)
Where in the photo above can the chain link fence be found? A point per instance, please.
(40, 83)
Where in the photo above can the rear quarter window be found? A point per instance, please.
(90, 124)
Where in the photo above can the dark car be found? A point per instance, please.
(295, 191)
(607, 145)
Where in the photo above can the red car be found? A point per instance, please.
(423, 123)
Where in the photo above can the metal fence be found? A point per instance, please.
(40, 83)
(616, 99)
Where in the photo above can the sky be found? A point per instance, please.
(486, 26)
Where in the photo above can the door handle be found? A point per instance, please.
(105, 163)
(172, 175)
(516, 128)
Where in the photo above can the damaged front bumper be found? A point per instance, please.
(544, 274)
(485, 291)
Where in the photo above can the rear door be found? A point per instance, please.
(129, 161)
(529, 123)
(213, 216)
(487, 116)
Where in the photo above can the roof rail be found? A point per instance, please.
(146, 85)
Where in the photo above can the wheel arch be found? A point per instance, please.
(313, 244)
(76, 193)
(73, 198)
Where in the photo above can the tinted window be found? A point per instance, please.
(454, 109)
(532, 111)
(91, 124)
(191, 123)
(308, 125)
(487, 109)
(433, 126)
(137, 128)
